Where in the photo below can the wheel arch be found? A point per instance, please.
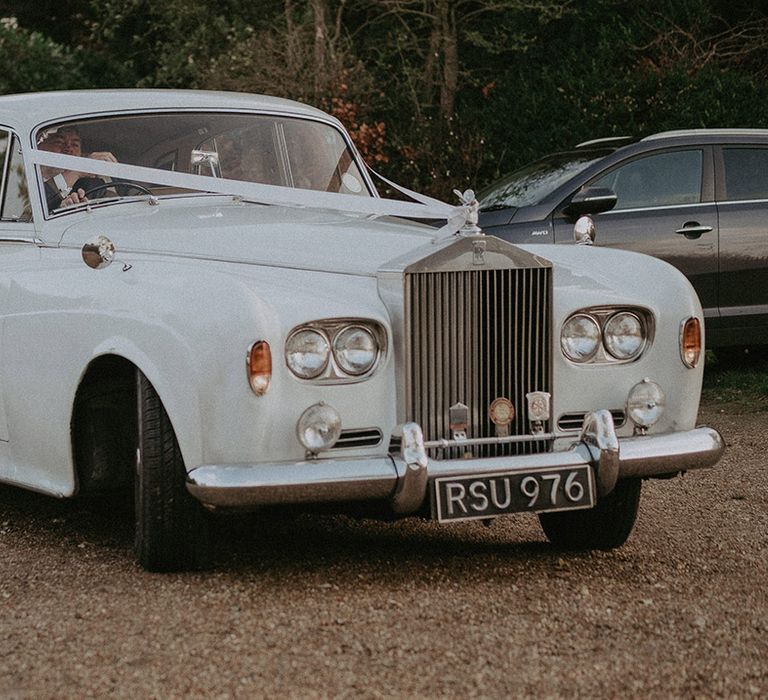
(115, 373)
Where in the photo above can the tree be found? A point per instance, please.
(39, 63)
(450, 25)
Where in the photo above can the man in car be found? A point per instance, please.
(67, 187)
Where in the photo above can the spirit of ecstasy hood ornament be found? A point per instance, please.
(472, 207)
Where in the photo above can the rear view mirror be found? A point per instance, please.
(591, 200)
(205, 159)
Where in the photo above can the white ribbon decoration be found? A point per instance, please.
(424, 208)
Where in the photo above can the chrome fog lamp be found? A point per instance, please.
(645, 404)
(355, 350)
(580, 338)
(319, 427)
(307, 352)
(624, 335)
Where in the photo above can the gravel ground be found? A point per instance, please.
(320, 606)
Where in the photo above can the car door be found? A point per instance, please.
(17, 238)
(742, 203)
(664, 208)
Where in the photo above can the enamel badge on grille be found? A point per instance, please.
(502, 413)
(458, 415)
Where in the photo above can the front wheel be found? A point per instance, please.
(172, 531)
(606, 526)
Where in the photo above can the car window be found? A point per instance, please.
(259, 148)
(657, 180)
(532, 183)
(319, 159)
(15, 206)
(746, 173)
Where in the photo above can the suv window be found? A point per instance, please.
(535, 181)
(657, 180)
(15, 205)
(746, 173)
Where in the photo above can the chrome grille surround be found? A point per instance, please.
(474, 333)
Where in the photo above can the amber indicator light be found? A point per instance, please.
(260, 367)
(690, 342)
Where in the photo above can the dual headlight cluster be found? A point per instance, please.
(335, 349)
(606, 335)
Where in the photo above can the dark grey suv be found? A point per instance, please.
(698, 199)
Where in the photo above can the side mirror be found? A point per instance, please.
(584, 230)
(99, 253)
(591, 200)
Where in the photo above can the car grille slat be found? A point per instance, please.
(574, 421)
(358, 437)
(474, 336)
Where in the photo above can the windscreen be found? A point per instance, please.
(535, 181)
(266, 149)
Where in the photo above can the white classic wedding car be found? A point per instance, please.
(204, 297)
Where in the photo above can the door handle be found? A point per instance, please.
(693, 230)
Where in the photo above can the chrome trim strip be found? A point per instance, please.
(6, 161)
(509, 440)
(604, 141)
(754, 310)
(724, 202)
(20, 239)
(358, 438)
(404, 479)
(658, 208)
(208, 258)
(705, 132)
(574, 420)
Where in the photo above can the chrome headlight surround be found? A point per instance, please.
(609, 350)
(356, 347)
(624, 335)
(307, 352)
(580, 337)
(355, 350)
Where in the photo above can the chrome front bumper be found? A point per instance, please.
(403, 479)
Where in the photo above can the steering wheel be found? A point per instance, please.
(118, 186)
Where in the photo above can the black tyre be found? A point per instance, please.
(104, 434)
(606, 526)
(172, 529)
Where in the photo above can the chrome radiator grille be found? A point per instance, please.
(473, 336)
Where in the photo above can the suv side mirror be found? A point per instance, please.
(591, 200)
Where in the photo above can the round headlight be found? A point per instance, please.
(319, 427)
(355, 350)
(307, 353)
(624, 335)
(645, 403)
(580, 338)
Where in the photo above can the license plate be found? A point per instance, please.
(488, 495)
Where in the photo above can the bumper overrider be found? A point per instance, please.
(404, 479)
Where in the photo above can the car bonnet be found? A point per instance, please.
(218, 228)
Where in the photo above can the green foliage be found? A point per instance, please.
(441, 94)
(33, 62)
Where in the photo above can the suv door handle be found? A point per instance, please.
(693, 230)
